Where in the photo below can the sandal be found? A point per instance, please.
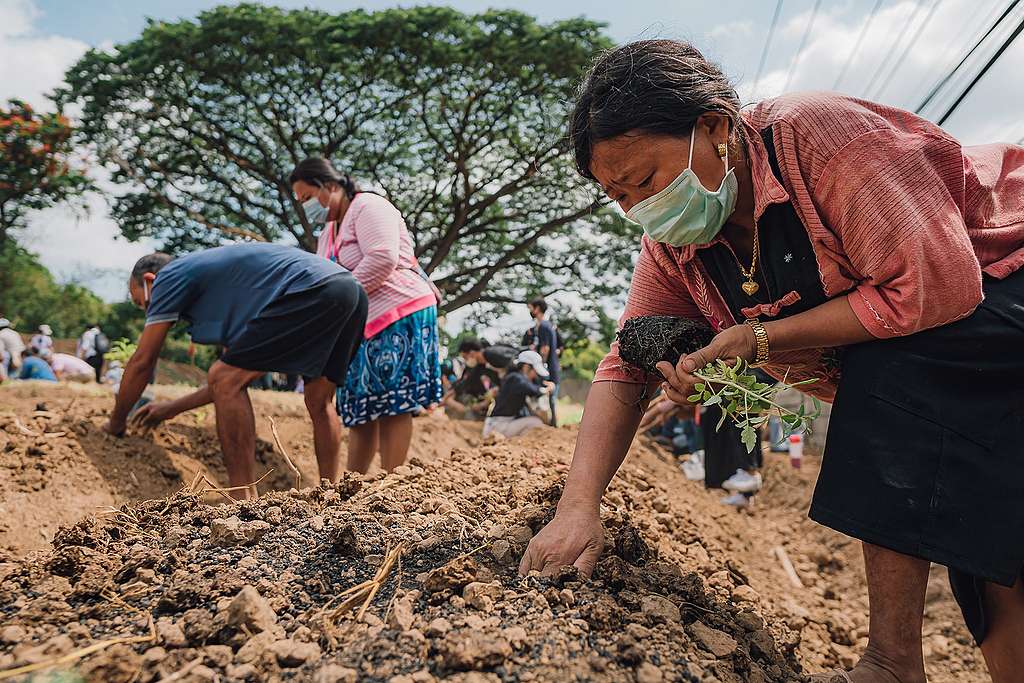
(834, 676)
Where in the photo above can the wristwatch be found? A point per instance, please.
(761, 341)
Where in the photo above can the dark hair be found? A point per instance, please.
(319, 172)
(151, 263)
(655, 86)
(470, 344)
(539, 302)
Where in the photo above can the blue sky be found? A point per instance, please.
(39, 39)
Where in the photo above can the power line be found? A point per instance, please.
(999, 53)
(949, 75)
(803, 43)
(959, 78)
(856, 46)
(892, 48)
(906, 50)
(767, 44)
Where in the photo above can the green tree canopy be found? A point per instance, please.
(35, 171)
(458, 118)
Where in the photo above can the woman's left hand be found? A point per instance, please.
(729, 344)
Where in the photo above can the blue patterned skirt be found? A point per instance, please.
(397, 371)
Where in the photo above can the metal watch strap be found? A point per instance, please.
(761, 341)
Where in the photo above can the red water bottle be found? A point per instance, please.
(796, 450)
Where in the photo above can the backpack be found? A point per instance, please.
(101, 343)
(500, 356)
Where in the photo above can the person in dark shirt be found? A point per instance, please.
(469, 396)
(543, 338)
(276, 309)
(518, 384)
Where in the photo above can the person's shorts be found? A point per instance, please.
(313, 333)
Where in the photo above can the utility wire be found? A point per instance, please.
(999, 53)
(949, 75)
(892, 48)
(856, 46)
(959, 79)
(803, 43)
(906, 50)
(767, 44)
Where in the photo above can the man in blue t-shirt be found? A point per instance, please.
(275, 309)
(543, 338)
(35, 367)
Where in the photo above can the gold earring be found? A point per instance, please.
(723, 149)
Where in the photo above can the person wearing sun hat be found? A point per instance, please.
(509, 415)
(11, 347)
(43, 339)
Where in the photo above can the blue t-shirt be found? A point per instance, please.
(34, 367)
(218, 291)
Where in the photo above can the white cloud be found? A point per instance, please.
(31, 64)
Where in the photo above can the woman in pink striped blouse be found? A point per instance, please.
(396, 371)
(830, 238)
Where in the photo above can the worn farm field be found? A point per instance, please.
(119, 561)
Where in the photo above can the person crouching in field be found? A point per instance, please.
(276, 309)
(510, 415)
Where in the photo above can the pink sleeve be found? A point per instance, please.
(378, 229)
(893, 197)
(657, 288)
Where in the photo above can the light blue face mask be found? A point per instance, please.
(686, 212)
(316, 213)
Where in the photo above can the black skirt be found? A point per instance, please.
(925, 448)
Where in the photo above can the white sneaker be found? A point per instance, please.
(743, 482)
(693, 470)
(737, 500)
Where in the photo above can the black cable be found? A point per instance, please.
(959, 79)
(803, 43)
(906, 50)
(999, 53)
(967, 56)
(856, 46)
(767, 44)
(892, 48)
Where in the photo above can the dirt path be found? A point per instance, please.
(681, 570)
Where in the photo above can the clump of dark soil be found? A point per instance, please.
(647, 340)
(257, 591)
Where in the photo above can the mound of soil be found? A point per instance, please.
(647, 340)
(251, 591)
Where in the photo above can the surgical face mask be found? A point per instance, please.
(686, 212)
(316, 213)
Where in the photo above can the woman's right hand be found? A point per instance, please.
(574, 537)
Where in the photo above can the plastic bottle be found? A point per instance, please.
(796, 450)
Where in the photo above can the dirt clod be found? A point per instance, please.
(645, 341)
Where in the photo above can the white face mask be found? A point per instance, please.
(316, 213)
(686, 212)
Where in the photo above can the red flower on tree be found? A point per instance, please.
(34, 171)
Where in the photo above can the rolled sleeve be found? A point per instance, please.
(894, 198)
(657, 288)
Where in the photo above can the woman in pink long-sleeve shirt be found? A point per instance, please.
(831, 238)
(396, 371)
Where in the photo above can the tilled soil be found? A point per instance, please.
(686, 591)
